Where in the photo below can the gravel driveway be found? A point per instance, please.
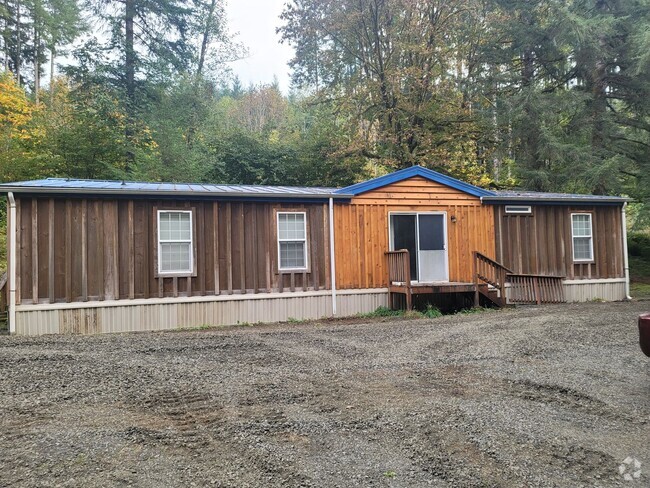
(545, 396)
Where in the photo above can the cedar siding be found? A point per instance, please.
(86, 249)
(541, 243)
(362, 231)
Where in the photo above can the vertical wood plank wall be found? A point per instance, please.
(541, 243)
(75, 250)
(361, 230)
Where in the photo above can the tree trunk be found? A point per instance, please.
(37, 61)
(129, 58)
(206, 37)
(129, 70)
(597, 85)
(531, 149)
(52, 73)
(5, 37)
(18, 45)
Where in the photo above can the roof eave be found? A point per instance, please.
(167, 193)
(502, 200)
(410, 172)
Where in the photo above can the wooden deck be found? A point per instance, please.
(418, 288)
(490, 280)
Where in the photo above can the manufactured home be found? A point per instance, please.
(88, 256)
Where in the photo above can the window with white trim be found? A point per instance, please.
(519, 209)
(292, 241)
(175, 254)
(581, 232)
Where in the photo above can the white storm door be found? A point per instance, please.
(432, 248)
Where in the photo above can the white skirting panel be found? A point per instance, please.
(609, 290)
(165, 314)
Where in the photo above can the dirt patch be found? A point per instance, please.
(540, 396)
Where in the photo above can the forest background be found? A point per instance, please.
(546, 95)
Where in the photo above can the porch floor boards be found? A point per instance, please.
(432, 288)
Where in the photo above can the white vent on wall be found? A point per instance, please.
(519, 209)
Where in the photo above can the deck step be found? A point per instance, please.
(492, 295)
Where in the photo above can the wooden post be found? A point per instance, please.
(390, 275)
(502, 284)
(475, 279)
(406, 262)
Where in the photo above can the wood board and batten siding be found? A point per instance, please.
(362, 230)
(541, 242)
(96, 249)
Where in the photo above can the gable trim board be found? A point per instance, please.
(407, 173)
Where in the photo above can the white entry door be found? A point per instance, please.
(432, 248)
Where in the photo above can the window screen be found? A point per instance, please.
(292, 240)
(175, 242)
(582, 237)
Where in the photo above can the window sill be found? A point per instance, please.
(186, 274)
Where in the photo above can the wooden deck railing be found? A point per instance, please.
(535, 289)
(523, 288)
(490, 279)
(488, 271)
(399, 267)
(399, 276)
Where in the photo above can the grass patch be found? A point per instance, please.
(639, 269)
(640, 290)
(430, 312)
(381, 312)
(639, 260)
(295, 321)
(467, 311)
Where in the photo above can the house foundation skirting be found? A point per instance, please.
(606, 289)
(185, 312)
(609, 290)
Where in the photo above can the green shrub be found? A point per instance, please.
(638, 245)
(382, 312)
(432, 312)
(465, 311)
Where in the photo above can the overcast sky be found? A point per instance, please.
(256, 21)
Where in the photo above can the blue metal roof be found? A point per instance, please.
(274, 193)
(404, 174)
(67, 185)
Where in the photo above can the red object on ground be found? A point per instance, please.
(644, 333)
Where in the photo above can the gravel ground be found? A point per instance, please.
(545, 396)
